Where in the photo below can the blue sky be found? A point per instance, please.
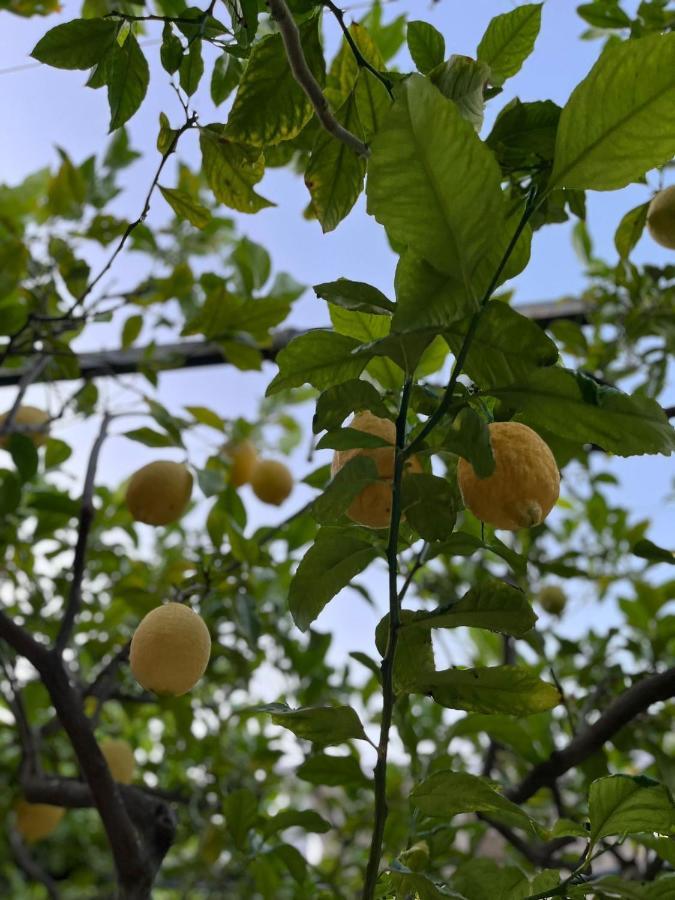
(46, 108)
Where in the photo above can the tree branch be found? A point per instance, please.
(84, 528)
(303, 75)
(637, 699)
(362, 62)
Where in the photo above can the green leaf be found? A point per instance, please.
(414, 651)
(270, 106)
(186, 207)
(335, 557)
(226, 76)
(509, 40)
(483, 879)
(500, 689)
(555, 400)
(127, 81)
(171, 51)
(132, 328)
(307, 819)
(240, 809)
(332, 771)
(409, 172)
(647, 550)
(629, 93)
(337, 402)
(506, 347)
(191, 68)
(604, 15)
(150, 437)
(426, 45)
(369, 329)
(323, 725)
(495, 606)
(231, 171)
(79, 44)
(352, 478)
(445, 794)
(354, 295)
(468, 436)
(406, 883)
(10, 492)
(630, 230)
(463, 80)
(462, 544)
(56, 453)
(319, 358)
(621, 805)
(524, 133)
(24, 454)
(430, 505)
(372, 102)
(335, 173)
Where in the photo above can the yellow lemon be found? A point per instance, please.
(170, 650)
(271, 481)
(372, 506)
(159, 493)
(120, 758)
(524, 486)
(552, 599)
(31, 417)
(661, 218)
(243, 457)
(35, 821)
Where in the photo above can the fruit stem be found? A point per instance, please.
(387, 665)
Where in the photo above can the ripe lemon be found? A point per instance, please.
(170, 650)
(524, 486)
(243, 457)
(35, 821)
(120, 758)
(32, 417)
(372, 506)
(661, 218)
(552, 599)
(159, 493)
(271, 481)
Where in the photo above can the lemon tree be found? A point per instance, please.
(295, 651)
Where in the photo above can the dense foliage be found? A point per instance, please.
(552, 776)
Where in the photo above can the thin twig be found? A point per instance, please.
(26, 736)
(290, 35)
(84, 528)
(387, 666)
(29, 866)
(362, 62)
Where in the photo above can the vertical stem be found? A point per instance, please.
(380, 774)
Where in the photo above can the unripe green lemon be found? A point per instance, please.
(159, 493)
(552, 599)
(272, 481)
(661, 218)
(170, 650)
(524, 486)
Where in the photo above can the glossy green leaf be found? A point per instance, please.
(426, 45)
(628, 93)
(186, 207)
(445, 794)
(427, 157)
(335, 557)
(319, 358)
(509, 40)
(463, 80)
(430, 505)
(171, 51)
(352, 478)
(630, 230)
(648, 550)
(500, 689)
(468, 436)
(227, 73)
(622, 805)
(414, 650)
(495, 606)
(354, 295)
(127, 80)
(580, 410)
(332, 771)
(323, 725)
(232, 170)
(191, 68)
(270, 106)
(79, 44)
